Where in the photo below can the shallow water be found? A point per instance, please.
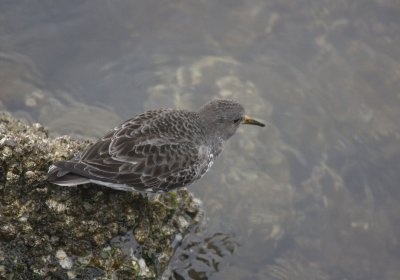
(313, 196)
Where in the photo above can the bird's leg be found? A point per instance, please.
(155, 198)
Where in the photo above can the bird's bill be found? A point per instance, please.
(248, 120)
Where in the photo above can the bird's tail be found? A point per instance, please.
(61, 177)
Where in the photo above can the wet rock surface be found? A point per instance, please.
(53, 232)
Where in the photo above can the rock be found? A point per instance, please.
(50, 231)
(64, 261)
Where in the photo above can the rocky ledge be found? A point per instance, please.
(53, 232)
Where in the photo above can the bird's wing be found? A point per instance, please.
(135, 155)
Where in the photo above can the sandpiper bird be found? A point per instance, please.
(156, 151)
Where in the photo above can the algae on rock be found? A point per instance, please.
(48, 231)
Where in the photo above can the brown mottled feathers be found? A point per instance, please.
(154, 152)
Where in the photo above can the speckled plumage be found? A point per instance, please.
(157, 151)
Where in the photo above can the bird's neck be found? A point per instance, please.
(217, 146)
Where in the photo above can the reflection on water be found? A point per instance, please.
(313, 196)
(200, 257)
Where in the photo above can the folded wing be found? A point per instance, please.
(132, 157)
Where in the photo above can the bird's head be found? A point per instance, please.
(222, 117)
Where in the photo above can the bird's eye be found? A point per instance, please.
(236, 121)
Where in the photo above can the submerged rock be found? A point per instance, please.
(48, 231)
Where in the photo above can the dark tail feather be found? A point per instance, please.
(61, 177)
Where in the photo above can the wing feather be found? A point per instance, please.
(134, 154)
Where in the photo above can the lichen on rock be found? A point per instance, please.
(48, 231)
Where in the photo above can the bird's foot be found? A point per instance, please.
(168, 197)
